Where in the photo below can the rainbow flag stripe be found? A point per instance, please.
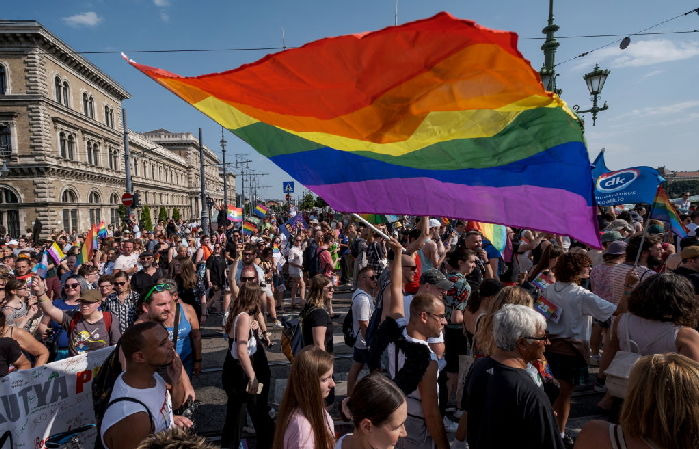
(234, 213)
(261, 210)
(436, 117)
(497, 234)
(102, 230)
(663, 209)
(249, 228)
(88, 246)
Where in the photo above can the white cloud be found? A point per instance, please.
(654, 111)
(162, 3)
(652, 73)
(87, 19)
(642, 53)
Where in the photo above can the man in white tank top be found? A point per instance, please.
(147, 405)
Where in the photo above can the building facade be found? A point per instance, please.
(62, 142)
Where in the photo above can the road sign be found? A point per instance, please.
(288, 187)
(127, 199)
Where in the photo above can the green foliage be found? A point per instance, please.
(122, 213)
(320, 203)
(308, 201)
(677, 188)
(146, 221)
(175, 214)
(162, 214)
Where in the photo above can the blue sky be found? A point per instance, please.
(652, 90)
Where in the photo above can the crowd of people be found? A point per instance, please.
(462, 341)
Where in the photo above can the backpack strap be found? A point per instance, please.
(136, 401)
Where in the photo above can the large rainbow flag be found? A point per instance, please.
(496, 234)
(438, 117)
(663, 209)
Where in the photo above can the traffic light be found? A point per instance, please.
(136, 200)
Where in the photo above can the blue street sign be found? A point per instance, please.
(288, 187)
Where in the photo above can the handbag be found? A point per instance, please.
(619, 369)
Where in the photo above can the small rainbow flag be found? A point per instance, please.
(56, 253)
(87, 247)
(234, 213)
(662, 209)
(249, 228)
(261, 210)
(496, 233)
(102, 230)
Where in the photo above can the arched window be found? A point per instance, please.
(114, 208)
(3, 79)
(95, 212)
(65, 93)
(70, 214)
(9, 218)
(85, 106)
(5, 140)
(58, 84)
(69, 196)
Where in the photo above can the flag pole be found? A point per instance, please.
(645, 228)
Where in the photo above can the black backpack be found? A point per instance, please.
(375, 319)
(348, 325)
(310, 259)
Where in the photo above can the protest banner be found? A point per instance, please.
(627, 186)
(50, 403)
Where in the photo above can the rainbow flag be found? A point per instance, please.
(88, 246)
(234, 213)
(249, 228)
(662, 209)
(497, 234)
(261, 210)
(438, 117)
(102, 230)
(56, 253)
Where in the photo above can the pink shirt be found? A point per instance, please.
(299, 433)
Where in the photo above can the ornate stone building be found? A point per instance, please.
(61, 142)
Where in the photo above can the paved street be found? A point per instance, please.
(210, 414)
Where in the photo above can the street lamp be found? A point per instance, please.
(595, 82)
(225, 175)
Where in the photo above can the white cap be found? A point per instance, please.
(434, 223)
(13, 242)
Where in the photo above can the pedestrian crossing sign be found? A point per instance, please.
(288, 187)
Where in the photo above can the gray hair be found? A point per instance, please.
(514, 322)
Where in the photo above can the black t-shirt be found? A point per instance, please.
(692, 275)
(507, 409)
(141, 281)
(9, 353)
(475, 277)
(217, 265)
(316, 318)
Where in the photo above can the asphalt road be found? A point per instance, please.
(210, 414)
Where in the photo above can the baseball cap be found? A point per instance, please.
(611, 236)
(618, 224)
(436, 278)
(690, 252)
(90, 296)
(434, 223)
(146, 254)
(617, 247)
(13, 242)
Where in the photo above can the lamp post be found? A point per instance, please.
(225, 176)
(595, 82)
(548, 70)
(204, 213)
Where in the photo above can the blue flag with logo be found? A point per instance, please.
(628, 186)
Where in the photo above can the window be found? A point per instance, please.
(63, 144)
(70, 215)
(93, 153)
(152, 172)
(91, 107)
(3, 80)
(9, 218)
(85, 106)
(5, 140)
(65, 94)
(114, 209)
(58, 85)
(70, 147)
(135, 167)
(95, 212)
(89, 153)
(109, 116)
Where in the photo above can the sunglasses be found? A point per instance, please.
(119, 283)
(441, 316)
(72, 285)
(330, 288)
(247, 279)
(156, 288)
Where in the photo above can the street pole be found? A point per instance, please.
(548, 71)
(225, 177)
(127, 156)
(202, 193)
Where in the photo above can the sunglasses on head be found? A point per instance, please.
(156, 288)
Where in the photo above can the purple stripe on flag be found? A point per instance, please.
(531, 207)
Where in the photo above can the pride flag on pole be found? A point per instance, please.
(261, 210)
(497, 234)
(437, 117)
(249, 228)
(662, 209)
(234, 213)
(88, 246)
(102, 230)
(56, 253)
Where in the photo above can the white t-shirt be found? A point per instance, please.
(577, 308)
(362, 308)
(157, 399)
(295, 257)
(692, 228)
(126, 262)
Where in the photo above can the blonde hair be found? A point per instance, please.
(315, 291)
(303, 395)
(485, 341)
(662, 405)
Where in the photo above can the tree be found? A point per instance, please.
(677, 188)
(146, 221)
(175, 214)
(162, 214)
(320, 203)
(308, 201)
(122, 213)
